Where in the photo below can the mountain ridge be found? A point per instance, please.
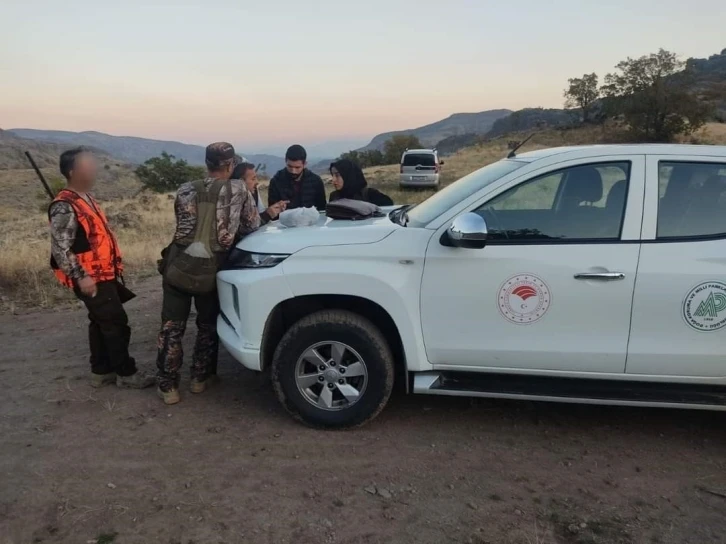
(134, 149)
(45, 153)
(453, 125)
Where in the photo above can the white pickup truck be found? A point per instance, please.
(589, 274)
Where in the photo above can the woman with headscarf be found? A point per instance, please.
(349, 182)
(246, 172)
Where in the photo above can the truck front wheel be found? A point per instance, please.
(333, 369)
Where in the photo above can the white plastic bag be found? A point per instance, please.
(300, 217)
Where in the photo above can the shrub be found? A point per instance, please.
(166, 173)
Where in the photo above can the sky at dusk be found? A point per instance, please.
(264, 74)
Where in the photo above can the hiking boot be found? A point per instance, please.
(135, 381)
(199, 386)
(99, 380)
(169, 397)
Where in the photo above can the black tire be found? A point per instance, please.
(337, 326)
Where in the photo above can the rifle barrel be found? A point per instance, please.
(40, 175)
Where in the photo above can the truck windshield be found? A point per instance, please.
(432, 207)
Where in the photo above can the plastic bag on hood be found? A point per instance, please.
(300, 217)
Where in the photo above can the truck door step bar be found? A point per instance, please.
(571, 390)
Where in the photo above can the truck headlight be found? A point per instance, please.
(240, 259)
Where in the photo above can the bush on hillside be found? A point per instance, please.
(166, 173)
(395, 147)
(653, 94)
(391, 154)
(365, 159)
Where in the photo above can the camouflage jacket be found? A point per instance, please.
(63, 229)
(243, 215)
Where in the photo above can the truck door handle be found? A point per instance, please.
(602, 276)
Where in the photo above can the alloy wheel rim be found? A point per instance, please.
(331, 375)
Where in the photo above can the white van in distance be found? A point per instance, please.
(420, 168)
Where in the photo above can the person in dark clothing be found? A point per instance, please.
(349, 182)
(296, 184)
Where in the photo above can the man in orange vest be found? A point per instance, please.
(86, 258)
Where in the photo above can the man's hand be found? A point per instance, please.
(277, 208)
(87, 286)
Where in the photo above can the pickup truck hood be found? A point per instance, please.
(276, 238)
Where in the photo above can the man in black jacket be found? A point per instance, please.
(296, 184)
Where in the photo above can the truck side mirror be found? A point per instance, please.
(468, 231)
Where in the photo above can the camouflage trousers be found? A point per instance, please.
(176, 308)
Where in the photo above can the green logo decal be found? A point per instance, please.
(704, 307)
(711, 307)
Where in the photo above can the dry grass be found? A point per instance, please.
(144, 225)
(713, 133)
(25, 276)
(142, 243)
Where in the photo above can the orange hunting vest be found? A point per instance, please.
(95, 245)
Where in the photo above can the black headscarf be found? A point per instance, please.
(353, 179)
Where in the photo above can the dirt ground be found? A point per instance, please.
(79, 465)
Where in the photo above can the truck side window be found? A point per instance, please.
(692, 200)
(585, 202)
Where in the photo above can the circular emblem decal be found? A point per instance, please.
(704, 307)
(524, 299)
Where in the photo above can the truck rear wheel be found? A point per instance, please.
(333, 369)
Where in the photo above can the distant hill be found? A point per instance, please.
(321, 166)
(45, 154)
(713, 68)
(530, 119)
(519, 121)
(333, 148)
(710, 79)
(456, 124)
(136, 150)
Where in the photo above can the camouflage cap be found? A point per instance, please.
(220, 154)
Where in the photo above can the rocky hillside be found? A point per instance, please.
(713, 68)
(135, 150)
(519, 121)
(710, 79)
(529, 119)
(456, 124)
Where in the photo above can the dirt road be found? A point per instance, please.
(79, 465)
